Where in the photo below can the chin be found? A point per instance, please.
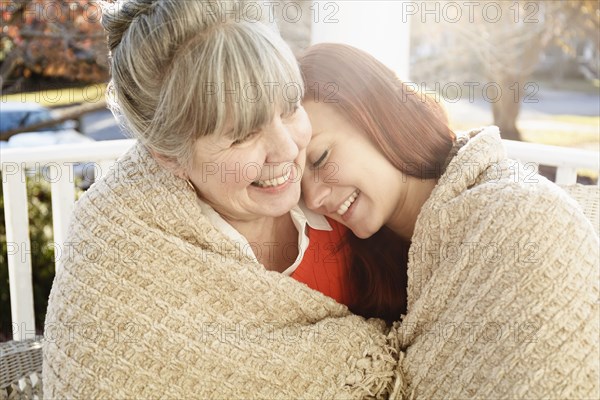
(278, 212)
(282, 206)
(361, 232)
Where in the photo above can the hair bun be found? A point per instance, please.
(117, 17)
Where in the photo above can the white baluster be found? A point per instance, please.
(63, 198)
(19, 249)
(566, 176)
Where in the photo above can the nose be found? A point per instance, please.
(315, 191)
(282, 143)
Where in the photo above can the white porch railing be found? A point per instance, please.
(567, 160)
(60, 160)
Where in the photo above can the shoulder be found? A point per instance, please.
(522, 194)
(513, 210)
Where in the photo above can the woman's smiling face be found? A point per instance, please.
(347, 178)
(257, 177)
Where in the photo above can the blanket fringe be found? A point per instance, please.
(379, 374)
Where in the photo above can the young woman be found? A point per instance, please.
(496, 271)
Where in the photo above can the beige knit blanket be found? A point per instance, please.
(152, 301)
(503, 286)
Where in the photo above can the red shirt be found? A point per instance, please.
(325, 265)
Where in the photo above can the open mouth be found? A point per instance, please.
(275, 182)
(348, 203)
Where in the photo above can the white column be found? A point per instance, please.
(381, 28)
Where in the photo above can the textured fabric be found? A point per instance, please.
(588, 197)
(301, 217)
(503, 286)
(151, 301)
(326, 261)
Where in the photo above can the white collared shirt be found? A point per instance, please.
(301, 217)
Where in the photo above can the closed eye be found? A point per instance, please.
(245, 138)
(321, 160)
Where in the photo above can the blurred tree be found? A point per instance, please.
(52, 39)
(583, 25)
(502, 43)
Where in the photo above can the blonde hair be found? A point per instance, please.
(185, 69)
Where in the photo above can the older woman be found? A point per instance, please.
(495, 269)
(173, 286)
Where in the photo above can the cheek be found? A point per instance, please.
(223, 177)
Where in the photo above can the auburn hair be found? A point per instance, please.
(410, 129)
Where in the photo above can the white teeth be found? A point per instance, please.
(275, 181)
(344, 207)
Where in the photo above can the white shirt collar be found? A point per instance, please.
(314, 220)
(301, 217)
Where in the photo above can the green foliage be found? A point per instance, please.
(42, 254)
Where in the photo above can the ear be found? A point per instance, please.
(170, 164)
